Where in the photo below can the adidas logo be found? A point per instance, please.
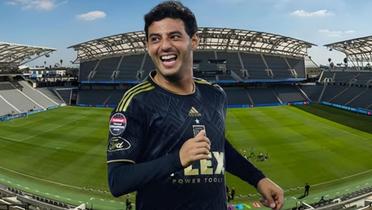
(194, 113)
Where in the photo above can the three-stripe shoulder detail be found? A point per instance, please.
(201, 81)
(128, 96)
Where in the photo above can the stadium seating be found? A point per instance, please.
(289, 94)
(43, 100)
(279, 67)
(238, 95)
(255, 66)
(99, 97)
(105, 69)
(51, 93)
(237, 67)
(312, 91)
(85, 69)
(20, 100)
(65, 94)
(129, 67)
(263, 96)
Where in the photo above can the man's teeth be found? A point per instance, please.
(168, 57)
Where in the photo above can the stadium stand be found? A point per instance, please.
(15, 199)
(289, 94)
(225, 56)
(355, 200)
(263, 96)
(37, 95)
(20, 100)
(25, 98)
(51, 93)
(129, 67)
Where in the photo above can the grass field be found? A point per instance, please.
(61, 153)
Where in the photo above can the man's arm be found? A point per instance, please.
(126, 177)
(237, 165)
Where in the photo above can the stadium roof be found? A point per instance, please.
(359, 49)
(221, 39)
(13, 55)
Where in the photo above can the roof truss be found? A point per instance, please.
(14, 55)
(358, 49)
(210, 39)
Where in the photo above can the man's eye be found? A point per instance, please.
(154, 39)
(176, 37)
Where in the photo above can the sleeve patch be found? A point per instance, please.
(118, 123)
(118, 144)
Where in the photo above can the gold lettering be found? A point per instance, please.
(189, 171)
(220, 169)
(205, 168)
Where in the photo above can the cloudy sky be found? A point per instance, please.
(62, 23)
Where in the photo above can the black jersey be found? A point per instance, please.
(148, 128)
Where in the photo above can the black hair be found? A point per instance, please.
(174, 10)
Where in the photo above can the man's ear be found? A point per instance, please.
(146, 46)
(195, 41)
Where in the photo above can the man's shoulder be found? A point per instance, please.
(209, 86)
(135, 93)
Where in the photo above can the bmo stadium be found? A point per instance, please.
(296, 121)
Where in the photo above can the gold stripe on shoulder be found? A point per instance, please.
(202, 81)
(121, 160)
(144, 89)
(129, 91)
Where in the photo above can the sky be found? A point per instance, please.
(63, 23)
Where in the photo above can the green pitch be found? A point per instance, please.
(61, 153)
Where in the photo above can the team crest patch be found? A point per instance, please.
(117, 144)
(118, 122)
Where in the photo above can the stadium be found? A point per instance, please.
(298, 122)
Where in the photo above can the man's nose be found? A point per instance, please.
(166, 45)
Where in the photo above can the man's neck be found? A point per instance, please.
(184, 86)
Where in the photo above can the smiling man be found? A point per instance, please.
(167, 134)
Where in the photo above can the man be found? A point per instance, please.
(307, 189)
(167, 134)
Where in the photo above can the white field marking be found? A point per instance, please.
(50, 129)
(342, 178)
(44, 180)
(9, 139)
